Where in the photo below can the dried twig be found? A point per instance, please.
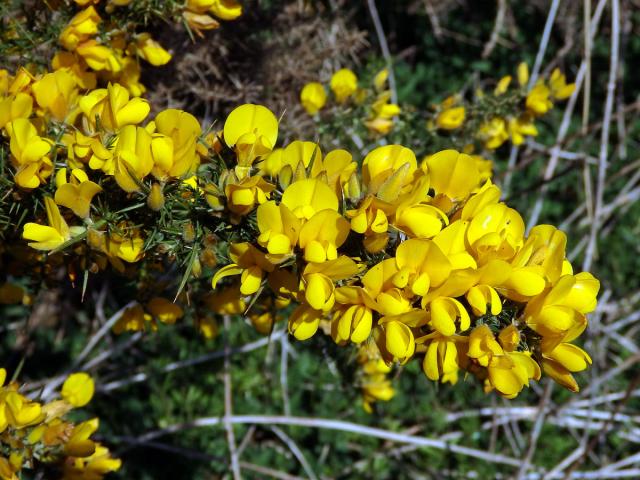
(341, 426)
(384, 46)
(604, 139)
(228, 403)
(497, 28)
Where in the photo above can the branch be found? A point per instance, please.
(384, 46)
(339, 425)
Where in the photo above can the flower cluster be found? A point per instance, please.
(420, 258)
(34, 434)
(202, 14)
(344, 86)
(405, 258)
(506, 113)
(102, 42)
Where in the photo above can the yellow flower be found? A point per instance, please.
(56, 92)
(502, 85)
(21, 83)
(243, 196)
(441, 360)
(336, 169)
(322, 235)
(132, 157)
(7, 470)
(252, 130)
(76, 194)
(374, 389)
(78, 389)
(451, 118)
(344, 83)
(509, 338)
(248, 262)
(48, 237)
(496, 231)
(319, 291)
(545, 247)
(29, 154)
(226, 9)
(94, 466)
(15, 106)
(563, 360)
(380, 79)
(134, 319)
(164, 310)
(380, 125)
(383, 162)
(523, 74)
(80, 28)
(304, 322)
(421, 265)
(481, 296)
(279, 228)
(20, 411)
(352, 323)
(419, 220)
(538, 101)
(382, 111)
(208, 327)
(307, 197)
(446, 313)
(174, 144)
(151, 50)
(399, 343)
(371, 220)
(560, 90)
(75, 65)
(83, 149)
(508, 372)
(299, 155)
(79, 443)
(453, 174)
(113, 108)
(262, 322)
(124, 243)
(227, 301)
(493, 133)
(100, 57)
(521, 127)
(313, 97)
(559, 314)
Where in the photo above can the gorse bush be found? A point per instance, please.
(407, 259)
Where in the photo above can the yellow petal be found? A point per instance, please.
(571, 357)
(78, 389)
(453, 174)
(251, 118)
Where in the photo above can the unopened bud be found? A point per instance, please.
(155, 200)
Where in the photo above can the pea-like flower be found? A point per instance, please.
(344, 84)
(313, 97)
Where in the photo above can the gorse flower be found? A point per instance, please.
(313, 97)
(344, 86)
(35, 433)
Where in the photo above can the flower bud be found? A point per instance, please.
(155, 200)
